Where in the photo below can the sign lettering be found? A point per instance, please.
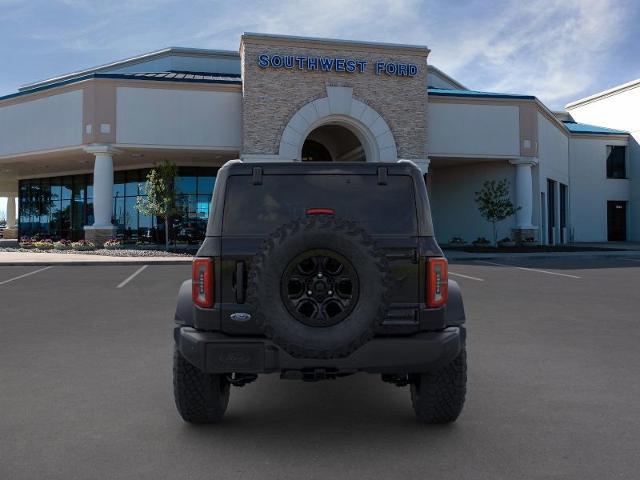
(331, 64)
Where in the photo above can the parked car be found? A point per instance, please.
(315, 271)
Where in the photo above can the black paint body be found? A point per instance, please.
(411, 338)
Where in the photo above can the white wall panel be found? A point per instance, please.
(461, 129)
(194, 118)
(41, 124)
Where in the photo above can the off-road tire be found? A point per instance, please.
(200, 397)
(319, 232)
(438, 397)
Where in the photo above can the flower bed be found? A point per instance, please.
(113, 244)
(26, 243)
(83, 245)
(62, 245)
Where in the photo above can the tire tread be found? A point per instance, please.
(438, 397)
(200, 397)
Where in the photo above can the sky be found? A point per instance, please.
(557, 50)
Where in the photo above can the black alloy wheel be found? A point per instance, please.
(320, 288)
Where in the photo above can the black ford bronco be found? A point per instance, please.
(317, 271)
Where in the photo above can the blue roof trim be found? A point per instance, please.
(575, 127)
(227, 79)
(444, 92)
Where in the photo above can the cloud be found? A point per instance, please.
(349, 19)
(558, 50)
(550, 49)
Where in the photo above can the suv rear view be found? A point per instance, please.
(317, 271)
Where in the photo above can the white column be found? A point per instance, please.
(102, 186)
(11, 211)
(524, 191)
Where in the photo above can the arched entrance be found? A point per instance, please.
(337, 126)
(332, 142)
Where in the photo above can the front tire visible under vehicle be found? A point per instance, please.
(200, 397)
(438, 397)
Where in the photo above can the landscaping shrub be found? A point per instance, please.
(62, 245)
(83, 245)
(43, 244)
(481, 241)
(112, 244)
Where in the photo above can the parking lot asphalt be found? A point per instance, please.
(554, 383)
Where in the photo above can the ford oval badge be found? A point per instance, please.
(240, 317)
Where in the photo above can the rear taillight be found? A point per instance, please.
(437, 282)
(202, 282)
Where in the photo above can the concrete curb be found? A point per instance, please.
(543, 255)
(83, 263)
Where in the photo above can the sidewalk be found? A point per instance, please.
(458, 255)
(44, 259)
(33, 258)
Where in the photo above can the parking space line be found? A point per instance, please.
(528, 269)
(633, 259)
(466, 276)
(25, 275)
(132, 276)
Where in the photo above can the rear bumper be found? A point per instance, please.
(214, 352)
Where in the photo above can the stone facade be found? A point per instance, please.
(272, 96)
(524, 234)
(10, 233)
(98, 235)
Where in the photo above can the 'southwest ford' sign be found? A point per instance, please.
(330, 64)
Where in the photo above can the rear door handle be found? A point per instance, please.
(240, 282)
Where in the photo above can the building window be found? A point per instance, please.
(616, 161)
(563, 212)
(60, 207)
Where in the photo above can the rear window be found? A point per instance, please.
(258, 209)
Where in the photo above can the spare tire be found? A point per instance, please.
(319, 286)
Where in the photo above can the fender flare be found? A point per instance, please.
(184, 309)
(455, 307)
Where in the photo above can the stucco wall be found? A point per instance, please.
(590, 189)
(553, 151)
(621, 111)
(272, 96)
(45, 123)
(164, 117)
(453, 207)
(553, 158)
(463, 129)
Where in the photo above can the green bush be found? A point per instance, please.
(112, 244)
(480, 241)
(43, 244)
(83, 245)
(62, 245)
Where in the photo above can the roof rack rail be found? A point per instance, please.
(403, 160)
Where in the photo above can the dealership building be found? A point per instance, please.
(75, 149)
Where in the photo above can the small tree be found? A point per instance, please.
(160, 196)
(494, 203)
